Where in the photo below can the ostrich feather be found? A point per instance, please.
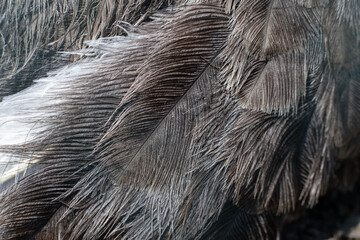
(31, 32)
(200, 120)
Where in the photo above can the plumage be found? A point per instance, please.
(193, 120)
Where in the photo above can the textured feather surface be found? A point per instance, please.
(206, 121)
(32, 31)
(231, 222)
(273, 47)
(71, 136)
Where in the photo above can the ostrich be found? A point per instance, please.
(174, 119)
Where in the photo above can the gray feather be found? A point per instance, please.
(201, 121)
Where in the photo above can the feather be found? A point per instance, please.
(31, 33)
(201, 120)
(265, 36)
(235, 223)
(71, 135)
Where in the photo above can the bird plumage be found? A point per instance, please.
(204, 120)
